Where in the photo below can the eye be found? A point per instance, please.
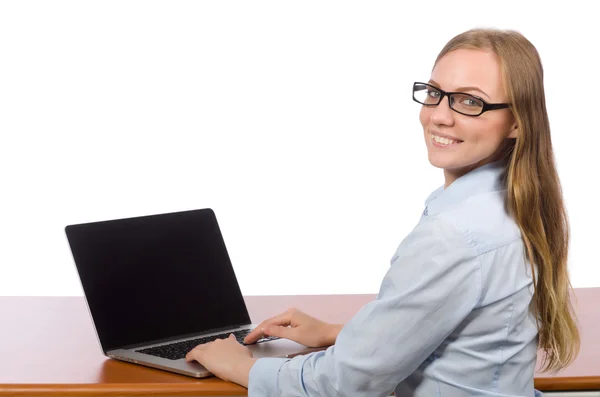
(471, 102)
(433, 93)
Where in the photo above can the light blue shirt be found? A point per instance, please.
(451, 318)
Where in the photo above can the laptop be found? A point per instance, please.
(157, 286)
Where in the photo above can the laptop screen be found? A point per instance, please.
(156, 277)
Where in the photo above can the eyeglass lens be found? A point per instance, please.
(464, 103)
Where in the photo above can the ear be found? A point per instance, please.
(514, 131)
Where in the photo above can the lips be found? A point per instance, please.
(453, 138)
(443, 142)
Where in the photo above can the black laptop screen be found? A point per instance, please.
(155, 277)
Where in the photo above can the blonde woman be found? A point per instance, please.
(480, 284)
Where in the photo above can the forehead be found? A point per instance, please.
(470, 68)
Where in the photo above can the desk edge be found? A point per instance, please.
(227, 389)
(123, 389)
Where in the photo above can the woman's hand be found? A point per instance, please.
(224, 358)
(298, 326)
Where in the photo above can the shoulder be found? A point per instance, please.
(484, 221)
(495, 236)
(438, 237)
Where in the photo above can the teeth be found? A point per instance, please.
(443, 140)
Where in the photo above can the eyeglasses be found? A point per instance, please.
(467, 104)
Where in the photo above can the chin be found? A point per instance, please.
(444, 162)
(452, 163)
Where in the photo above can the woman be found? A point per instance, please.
(480, 283)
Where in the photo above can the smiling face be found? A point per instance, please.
(456, 142)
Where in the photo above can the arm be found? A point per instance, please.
(335, 330)
(432, 285)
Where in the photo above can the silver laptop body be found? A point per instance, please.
(161, 280)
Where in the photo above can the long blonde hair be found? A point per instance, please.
(534, 195)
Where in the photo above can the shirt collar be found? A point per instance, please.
(484, 179)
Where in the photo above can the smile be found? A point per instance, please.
(441, 141)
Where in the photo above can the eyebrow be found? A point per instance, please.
(464, 89)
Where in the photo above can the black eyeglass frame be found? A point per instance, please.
(486, 106)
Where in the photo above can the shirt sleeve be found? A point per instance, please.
(434, 282)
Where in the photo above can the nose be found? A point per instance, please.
(442, 114)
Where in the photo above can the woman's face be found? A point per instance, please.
(471, 141)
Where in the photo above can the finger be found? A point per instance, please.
(290, 333)
(194, 353)
(283, 319)
(256, 333)
(253, 335)
(191, 356)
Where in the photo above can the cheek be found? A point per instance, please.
(424, 116)
(481, 132)
(472, 133)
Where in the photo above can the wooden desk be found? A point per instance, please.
(48, 347)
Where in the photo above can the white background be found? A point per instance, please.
(292, 120)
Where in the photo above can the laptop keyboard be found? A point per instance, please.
(178, 350)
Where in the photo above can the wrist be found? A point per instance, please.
(334, 331)
(241, 371)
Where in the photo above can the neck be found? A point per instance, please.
(452, 174)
